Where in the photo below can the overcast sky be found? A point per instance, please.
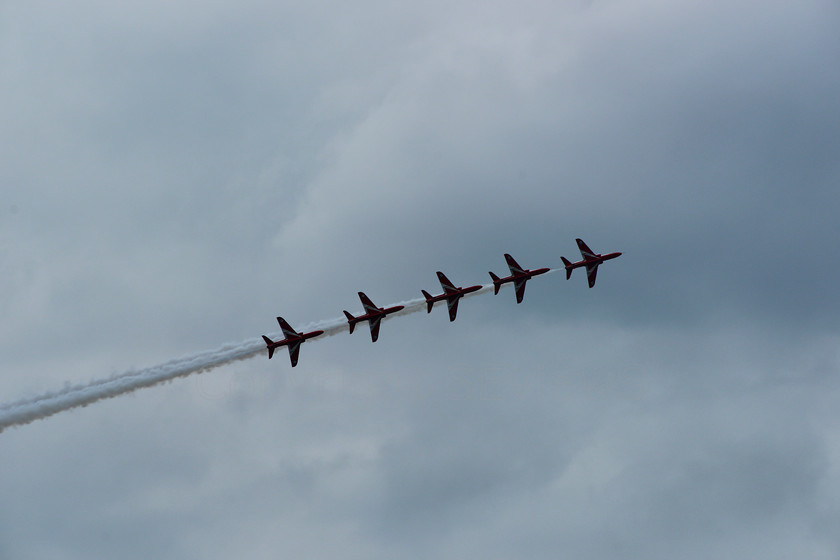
(176, 174)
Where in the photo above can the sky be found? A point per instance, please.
(174, 175)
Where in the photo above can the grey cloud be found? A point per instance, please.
(183, 175)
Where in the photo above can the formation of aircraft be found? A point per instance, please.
(374, 315)
(293, 340)
(591, 260)
(450, 294)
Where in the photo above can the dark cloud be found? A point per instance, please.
(181, 174)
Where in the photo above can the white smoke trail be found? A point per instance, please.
(28, 410)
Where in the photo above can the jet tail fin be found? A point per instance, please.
(429, 302)
(568, 267)
(351, 320)
(496, 284)
(268, 344)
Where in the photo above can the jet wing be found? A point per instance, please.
(447, 286)
(453, 307)
(585, 251)
(294, 352)
(287, 329)
(591, 273)
(519, 285)
(513, 265)
(367, 304)
(374, 328)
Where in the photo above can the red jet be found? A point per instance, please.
(591, 260)
(373, 315)
(518, 276)
(450, 293)
(293, 340)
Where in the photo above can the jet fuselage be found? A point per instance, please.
(597, 259)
